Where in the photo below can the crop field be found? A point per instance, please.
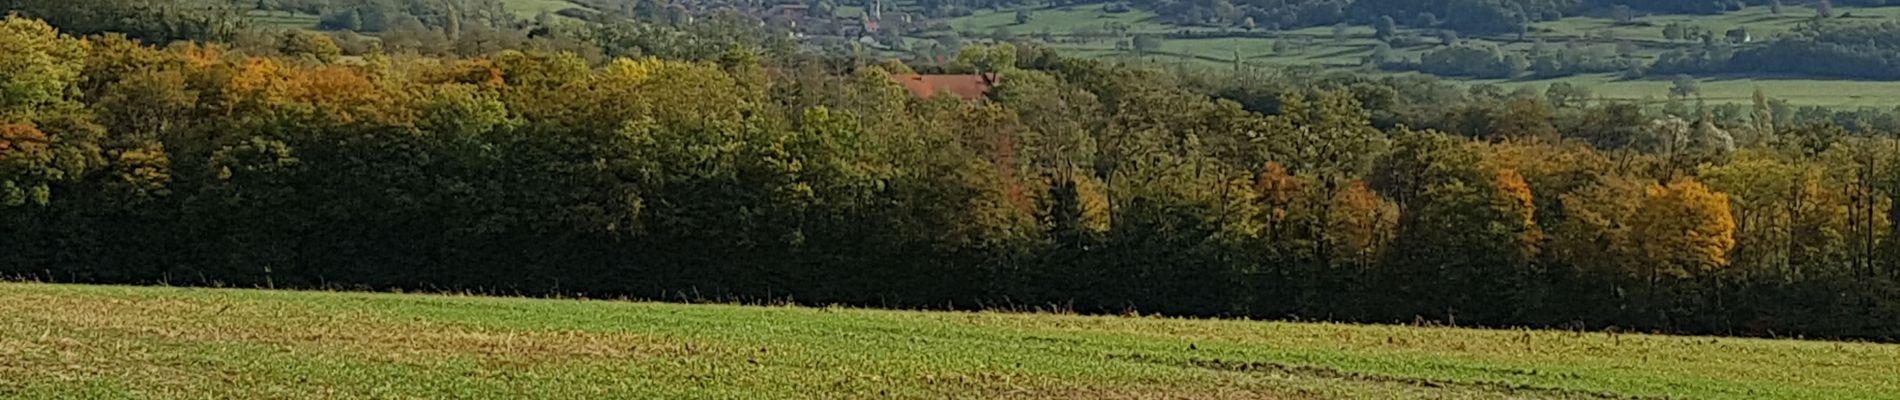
(62, 341)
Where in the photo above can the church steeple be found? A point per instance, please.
(872, 17)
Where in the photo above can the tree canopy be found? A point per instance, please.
(726, 167)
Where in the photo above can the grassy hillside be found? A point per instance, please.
(284, 20)
(117, 342)
(529, 8)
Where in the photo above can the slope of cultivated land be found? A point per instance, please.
(60, 341)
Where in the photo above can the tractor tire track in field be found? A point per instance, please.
(1268, 367)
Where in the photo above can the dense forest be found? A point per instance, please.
(658, 164)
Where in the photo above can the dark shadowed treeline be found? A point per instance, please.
(1466, 16)
(763, 175)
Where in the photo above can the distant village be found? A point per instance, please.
(866, 28)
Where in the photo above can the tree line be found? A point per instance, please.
(1820, 47)
(1467, 16)
(1830, 48)
(752, 175)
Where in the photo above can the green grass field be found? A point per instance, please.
(59, 341)
(284, 20)
(529, 8)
